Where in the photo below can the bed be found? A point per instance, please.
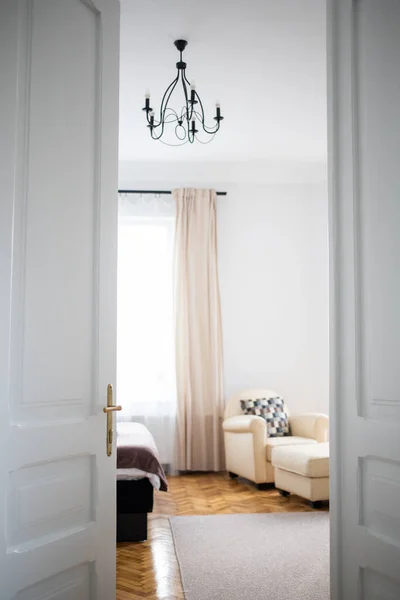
(139, 472)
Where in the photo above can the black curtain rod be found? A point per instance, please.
(156, 192)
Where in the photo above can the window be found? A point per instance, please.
(146, 380)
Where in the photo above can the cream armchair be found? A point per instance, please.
(248, 450)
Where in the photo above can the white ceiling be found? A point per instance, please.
(264, 60)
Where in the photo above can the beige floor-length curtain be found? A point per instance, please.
(199, 359)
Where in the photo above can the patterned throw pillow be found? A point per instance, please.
(272, 410)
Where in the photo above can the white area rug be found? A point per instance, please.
(281, 556)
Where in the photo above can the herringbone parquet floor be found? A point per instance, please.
(150, 570)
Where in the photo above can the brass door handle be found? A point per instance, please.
(109, 409)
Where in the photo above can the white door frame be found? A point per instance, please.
(334, 474)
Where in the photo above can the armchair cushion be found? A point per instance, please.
(279, 442)
(272, 410)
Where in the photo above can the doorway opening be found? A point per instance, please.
(272, 241)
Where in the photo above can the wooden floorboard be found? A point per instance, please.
(149, 569)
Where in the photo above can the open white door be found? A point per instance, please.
(363, 61)
(58, 226)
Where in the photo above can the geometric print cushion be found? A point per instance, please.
(273, 411)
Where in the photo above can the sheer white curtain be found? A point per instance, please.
(146, 375)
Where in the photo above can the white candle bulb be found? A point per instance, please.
(217, 104)
(192, 86)
(147, 94)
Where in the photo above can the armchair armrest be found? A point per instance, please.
(310, 425)
(245, 424)
(245, 437)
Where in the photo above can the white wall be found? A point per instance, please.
(273, 257)
(273, 270)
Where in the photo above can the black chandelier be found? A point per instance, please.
(190, 116)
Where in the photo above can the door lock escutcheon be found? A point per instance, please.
(109, 409)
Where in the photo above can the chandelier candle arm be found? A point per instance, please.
(201, 117)
(188, 113)
(164, 105)
(184, 122)
(165, 100)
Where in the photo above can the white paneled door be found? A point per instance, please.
(364, 75)
(58, 228)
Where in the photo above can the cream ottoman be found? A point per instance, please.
(303, 470)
